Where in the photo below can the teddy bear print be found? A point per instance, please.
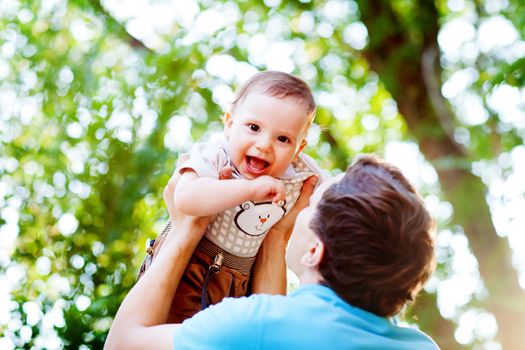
(255, 219)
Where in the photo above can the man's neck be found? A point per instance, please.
(310, 276)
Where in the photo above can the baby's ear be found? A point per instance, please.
(227, 120)
(303, 144)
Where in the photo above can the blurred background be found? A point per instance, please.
(97, 99)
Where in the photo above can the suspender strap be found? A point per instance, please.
(212, 270)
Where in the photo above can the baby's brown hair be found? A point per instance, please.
(280, 85)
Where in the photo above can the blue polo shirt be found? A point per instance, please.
(313, 317)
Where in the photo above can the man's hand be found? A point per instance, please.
(199, 223)
(169, 190)
(284, 226)
(226, 173)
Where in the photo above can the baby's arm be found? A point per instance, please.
(203, 196)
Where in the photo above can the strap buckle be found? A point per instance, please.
(217, 263)
(149, 245)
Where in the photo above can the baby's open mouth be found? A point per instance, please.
(256, 165)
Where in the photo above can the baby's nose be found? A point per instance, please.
(264, 143)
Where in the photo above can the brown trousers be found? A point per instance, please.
(227, 282)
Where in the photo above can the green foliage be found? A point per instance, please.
(512, 74)
(84, 143)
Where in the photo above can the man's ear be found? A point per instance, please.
(227, 120)
(313, 257)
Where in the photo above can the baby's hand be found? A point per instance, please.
(266, 187)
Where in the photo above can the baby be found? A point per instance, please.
(264, 134)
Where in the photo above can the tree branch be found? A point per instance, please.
(115, 26)
(408, 66)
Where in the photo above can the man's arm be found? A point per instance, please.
(139, 320)
(203, 196)
(269, 274)
(137, 324)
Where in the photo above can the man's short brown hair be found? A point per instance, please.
(280, 85)
(378, 237)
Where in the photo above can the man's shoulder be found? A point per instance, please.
(310, 318)
(415, 337)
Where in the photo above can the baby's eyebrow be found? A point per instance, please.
(252, 119)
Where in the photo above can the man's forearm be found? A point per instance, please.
(269, 273)
(149, 301)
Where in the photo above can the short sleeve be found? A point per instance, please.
(231, 324)
(311, 165)
(206, 159)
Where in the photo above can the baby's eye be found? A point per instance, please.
(254, 127)
(283, 139)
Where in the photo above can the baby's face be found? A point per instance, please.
(265, 133)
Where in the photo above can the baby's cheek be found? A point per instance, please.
(283, 163)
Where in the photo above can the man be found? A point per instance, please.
(361, 249)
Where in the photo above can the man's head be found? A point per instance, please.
(368, 237)
(268, 122)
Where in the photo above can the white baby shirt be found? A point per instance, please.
(240, 230)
